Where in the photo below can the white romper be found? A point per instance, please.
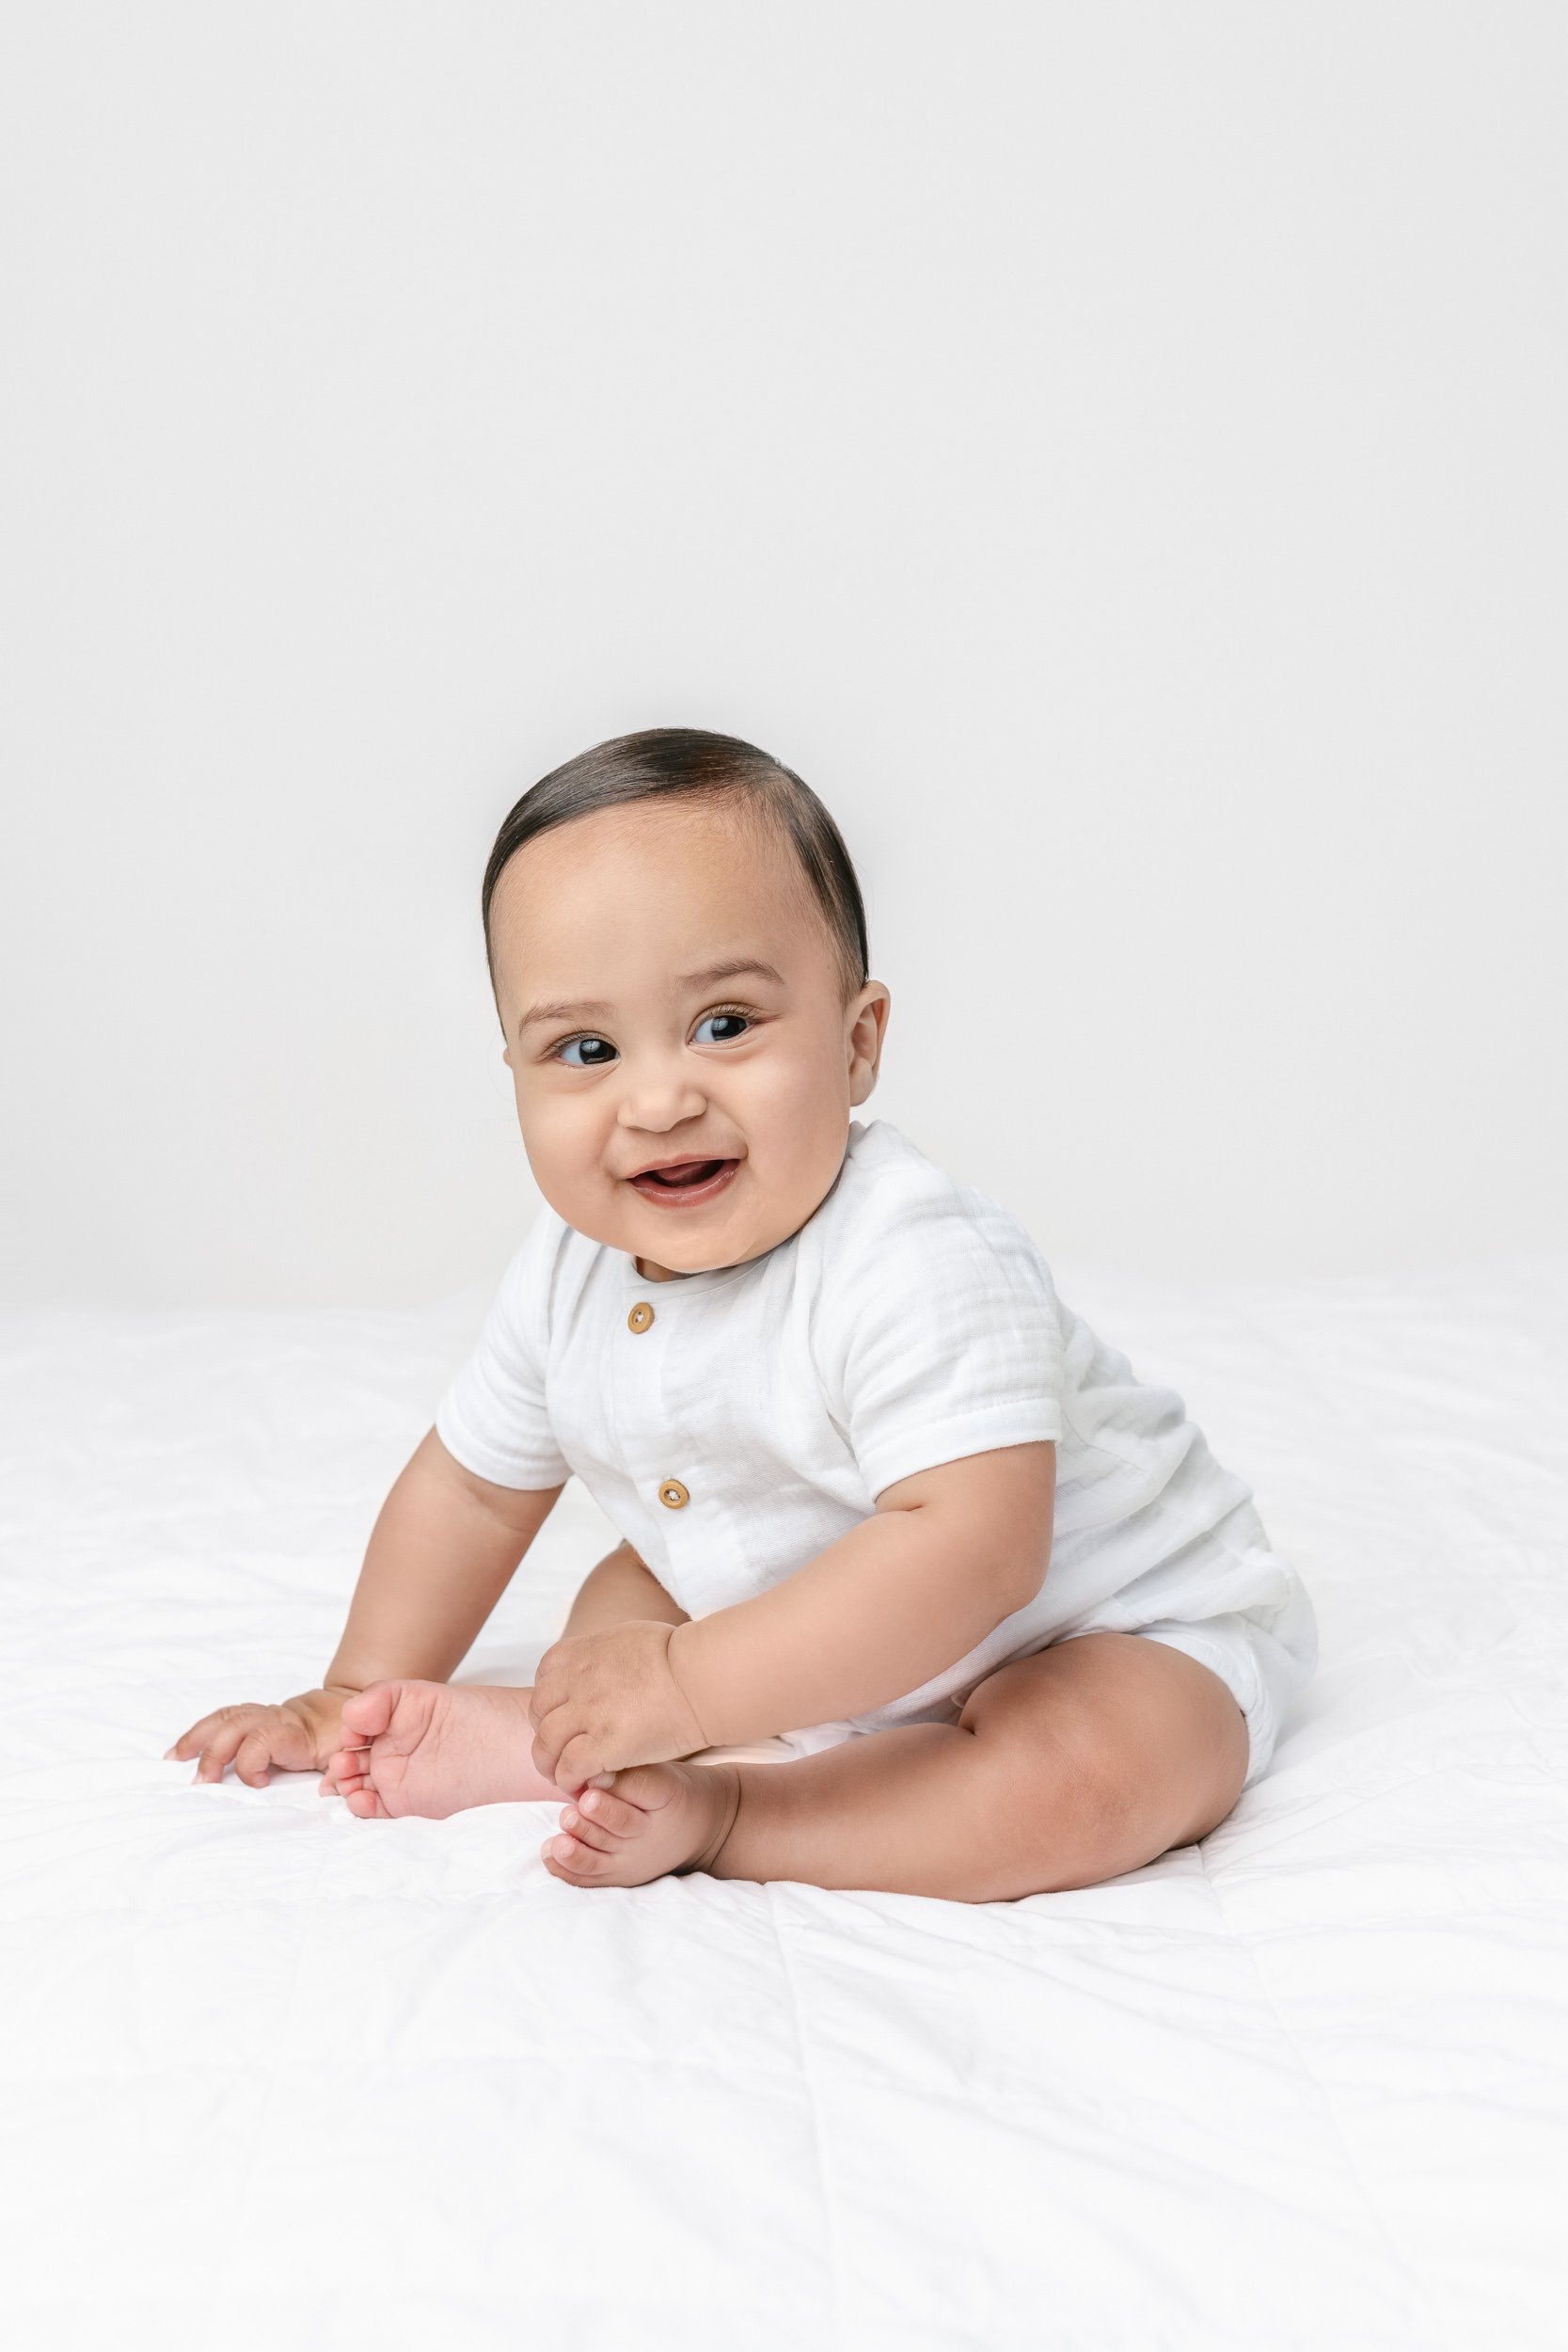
(732, 1425)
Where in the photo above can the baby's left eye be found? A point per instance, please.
(729, 1026)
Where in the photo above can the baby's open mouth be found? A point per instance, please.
(680, 1182)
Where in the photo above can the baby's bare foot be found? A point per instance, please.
(435, 1750)
(652, 1818)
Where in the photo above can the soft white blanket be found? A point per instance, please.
(273, 2076)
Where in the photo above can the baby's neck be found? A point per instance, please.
(656, 1273)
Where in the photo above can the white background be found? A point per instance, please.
(1116, 453)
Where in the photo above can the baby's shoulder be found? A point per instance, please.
(918, 1287)
(890, 1207)
(549, 1269)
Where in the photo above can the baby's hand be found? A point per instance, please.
(298, 1737)
(605, 1700)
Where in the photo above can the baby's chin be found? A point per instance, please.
(684, 1242)
(700, 1253)
(745, 1222)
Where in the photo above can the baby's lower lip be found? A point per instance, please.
(688, 1185)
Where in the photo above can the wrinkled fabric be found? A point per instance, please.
(265, 2067)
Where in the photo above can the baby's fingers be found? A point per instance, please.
(217, 1739)
(550, 1688)
(220, 1752)
(190, 1742)
(583, 1759)
(252, 1757)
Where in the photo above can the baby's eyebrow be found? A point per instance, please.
(586, 1010)
(738, 968)
(735, 968)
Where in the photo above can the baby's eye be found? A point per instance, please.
(586, 1052)
(727, 1025)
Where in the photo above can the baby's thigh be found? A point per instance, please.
(1114, 1748)
(621, 1588)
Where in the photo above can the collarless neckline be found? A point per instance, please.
(710, 1278)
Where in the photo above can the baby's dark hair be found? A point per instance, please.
(687, 764)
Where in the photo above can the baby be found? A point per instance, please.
(920, 1588)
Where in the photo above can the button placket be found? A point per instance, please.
(641, 1378)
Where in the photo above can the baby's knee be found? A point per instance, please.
(1060, 1795)
(1075, 1790)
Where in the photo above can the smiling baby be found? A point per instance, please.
(920, 1588)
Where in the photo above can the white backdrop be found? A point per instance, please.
(1114, 452)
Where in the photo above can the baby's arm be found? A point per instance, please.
(440, 1555)
(949, 1554)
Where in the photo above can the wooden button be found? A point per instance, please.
(641, 1316)
(674, 1495)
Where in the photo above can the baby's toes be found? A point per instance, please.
(586, 1833)
(600, 1820)
(602, 1810)
(568, 1857)
(370, 1711)
(344, 1773)
(366, 1802)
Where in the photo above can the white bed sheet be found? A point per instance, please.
(274, 2074)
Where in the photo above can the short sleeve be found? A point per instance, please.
(938, 1332)
(494, 1419)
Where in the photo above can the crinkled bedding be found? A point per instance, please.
(274, 2074)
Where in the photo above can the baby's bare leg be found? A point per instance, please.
(1065, 1770)
(437, 1748)
(620, 1589)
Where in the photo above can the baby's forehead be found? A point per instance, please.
(735, 830)
(684, 887)
(686, 859)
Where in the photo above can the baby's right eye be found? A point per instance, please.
(585, 1052)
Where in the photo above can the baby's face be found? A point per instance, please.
(683, 1059)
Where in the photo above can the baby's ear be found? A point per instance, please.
(867, 1034)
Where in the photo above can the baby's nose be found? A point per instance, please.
(655, 1102)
